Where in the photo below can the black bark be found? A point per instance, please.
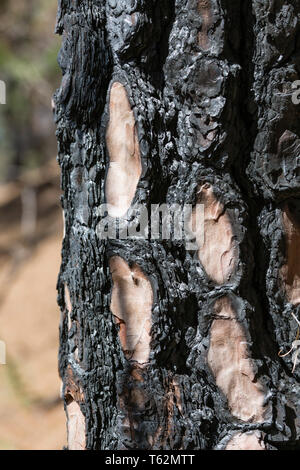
(209, 83)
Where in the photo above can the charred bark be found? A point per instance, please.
(178, 102)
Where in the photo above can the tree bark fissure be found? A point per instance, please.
(178, 102)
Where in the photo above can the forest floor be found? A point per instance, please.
(31, 411)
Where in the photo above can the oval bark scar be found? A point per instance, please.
(68, 305)
(246, 441)
(290, 271)
(204, 9)
(219, 253)
(75, 418)
(125, 167)
(229, 360)
(76, 427)
(131, 304)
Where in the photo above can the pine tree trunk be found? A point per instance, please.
(178, 102)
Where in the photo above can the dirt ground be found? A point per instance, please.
(31, 412)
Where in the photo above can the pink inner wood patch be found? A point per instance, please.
(125, 166)
(205, 11)
(229, 360)
(131, 304)
(76, 427)
(219, 253)
(290, 271)
(246, 441)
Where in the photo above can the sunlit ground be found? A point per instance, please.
(31, 412)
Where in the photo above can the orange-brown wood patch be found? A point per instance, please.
(131, 305)
(229, 360)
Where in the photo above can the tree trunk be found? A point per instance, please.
(180, 102)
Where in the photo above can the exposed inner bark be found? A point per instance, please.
(205, 10)
(68, 305)
(246, 441)
(173, 401)
(131, 304)
(218, 255)
(76, 427)
(229, 361)
(125, 166)
(290, 271)
(75, 418)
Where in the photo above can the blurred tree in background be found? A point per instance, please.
(28, 65)
(31, 414)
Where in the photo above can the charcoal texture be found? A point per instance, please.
(210, 84)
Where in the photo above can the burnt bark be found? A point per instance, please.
(201, 90)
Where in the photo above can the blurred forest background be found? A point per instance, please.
(31, 413)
